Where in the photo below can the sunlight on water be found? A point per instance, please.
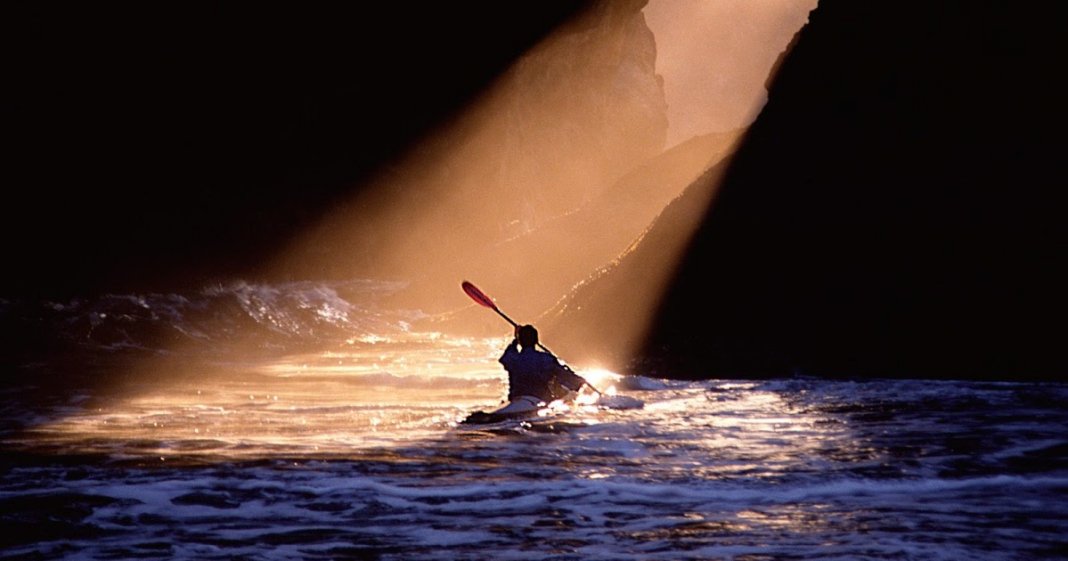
(275, 460)
(377, 392)
(404, 389)
(382, 393)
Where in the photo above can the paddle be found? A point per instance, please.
(483, 300)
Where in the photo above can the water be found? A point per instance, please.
(355, 452)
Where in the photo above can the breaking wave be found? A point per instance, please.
(283, 315)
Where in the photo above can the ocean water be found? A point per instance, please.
(354, 450)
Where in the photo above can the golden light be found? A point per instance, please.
(715, 58)
(546, 180)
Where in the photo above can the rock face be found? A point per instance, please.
(555, 135)
(605, 316)
(566, 250)
(581, 109)
(569, 118)
(890, 213)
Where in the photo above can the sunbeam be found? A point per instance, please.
(549, 177)
(288, 309)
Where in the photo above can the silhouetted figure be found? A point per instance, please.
(535, 376)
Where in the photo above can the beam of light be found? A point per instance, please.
(716, 58)
(514, 191)
(542, 181)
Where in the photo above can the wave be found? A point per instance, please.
(280, 315)
(389, 380)
(696, 492)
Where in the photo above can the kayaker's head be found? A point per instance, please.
(527, 335)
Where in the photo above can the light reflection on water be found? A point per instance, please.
(394, 393)
(384, 393)
(289, 457)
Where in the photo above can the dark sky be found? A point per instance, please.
(149, 145)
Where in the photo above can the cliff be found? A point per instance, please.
(523, 191)
(892, 212)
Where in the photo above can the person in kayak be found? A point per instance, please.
(535, 376)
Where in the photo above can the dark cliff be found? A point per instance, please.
(892, 212)
(524, 190)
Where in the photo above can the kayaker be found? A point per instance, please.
(534, 375)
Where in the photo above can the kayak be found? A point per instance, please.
(519, 408)
(528, 407)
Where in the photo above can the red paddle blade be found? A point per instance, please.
(477, 295)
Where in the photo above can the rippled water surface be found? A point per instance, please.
(357, 453)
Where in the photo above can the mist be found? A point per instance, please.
(716, 56)
(553, 172)
(238, 233)
(530, 185)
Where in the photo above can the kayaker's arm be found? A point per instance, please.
(567, 378)
(510, 352)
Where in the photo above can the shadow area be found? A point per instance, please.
(210, 138)
(892, 211)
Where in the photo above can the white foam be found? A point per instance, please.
(619, 402)
(716, 469)
(643, 383)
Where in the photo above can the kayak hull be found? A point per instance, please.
(519, 408)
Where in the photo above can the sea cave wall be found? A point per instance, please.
(891, 212)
